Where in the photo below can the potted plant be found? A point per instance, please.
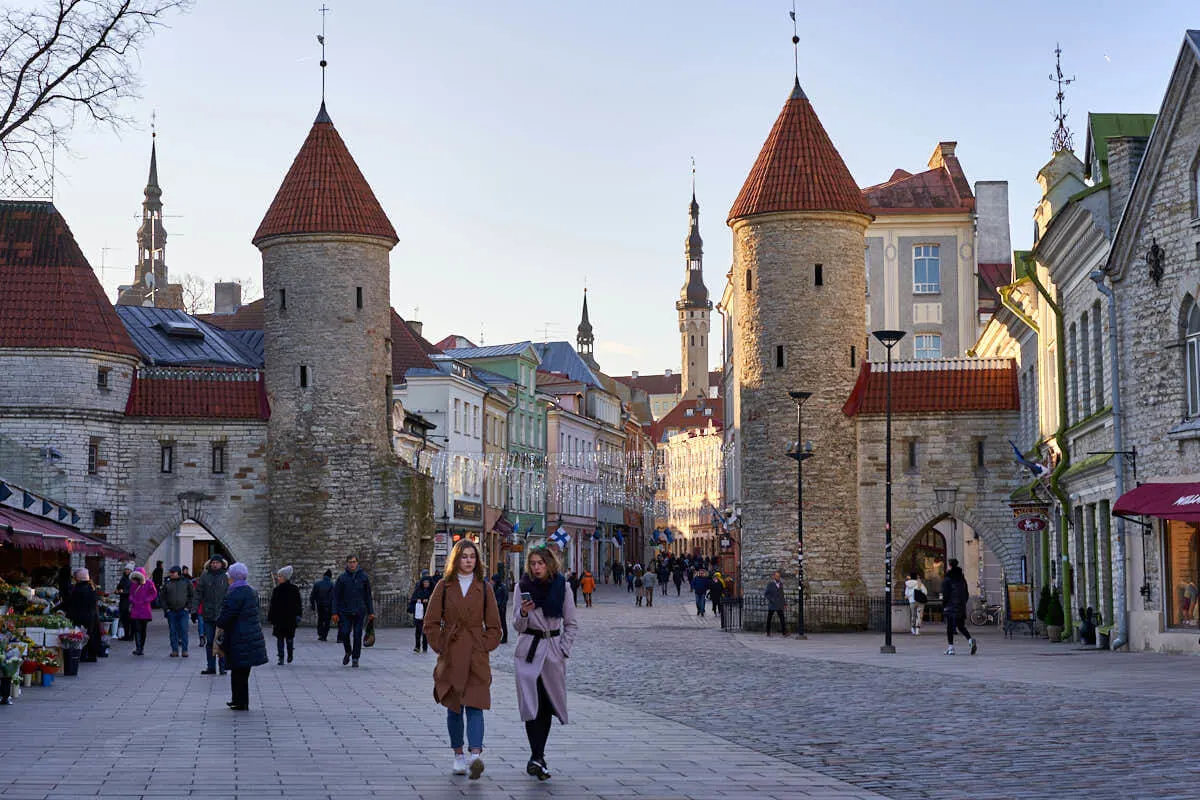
(1103, 636)
(1055, 618)
(1042, 607)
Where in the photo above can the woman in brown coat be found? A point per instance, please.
(463, 627)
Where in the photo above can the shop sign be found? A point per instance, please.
(465, 510)
(1031, 517)
(441, 544)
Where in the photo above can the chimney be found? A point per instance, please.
(634, 374)
(227, 297)
(668, 373)
(944, 150)
(1124, 157)
(416, 327)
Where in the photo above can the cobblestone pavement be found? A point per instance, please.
(663, 705)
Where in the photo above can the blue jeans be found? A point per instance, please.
(178, 622)
(454, 721)
(699, 602)
(209, 627)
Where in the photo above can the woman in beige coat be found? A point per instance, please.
(544, 616)
(463, 627)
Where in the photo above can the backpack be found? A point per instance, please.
(919, 596)
(637, 582)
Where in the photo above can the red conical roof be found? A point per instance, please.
(49, 296)
(798, 168)
(324, 192)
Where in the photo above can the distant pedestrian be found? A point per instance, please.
(284, 612)
(210, 592)
(700, 588)
(320, 600)
(649, 584)
(544, 616)
(123, 587)
(617, 572)
(573, 580)
(677, 579)
(353, 607)
(187, 575)
(917, 596)
(463, 626)
(141, 599)
(501, 592)
(776, 604)
(664, 576)
(954, 606)
(588, 584)
(716, 591)
(80, 606)
(418, 606)
(239, 635)
(157, 575)
(630, 577)
(178, 599)
(639, 587)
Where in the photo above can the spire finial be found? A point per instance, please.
(693, 179)
(795, 45)
(153, 123)
(321, 38)
(1061, 140)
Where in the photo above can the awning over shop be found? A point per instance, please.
(27, 530)
(1166, 500)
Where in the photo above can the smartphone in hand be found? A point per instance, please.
(526, 597)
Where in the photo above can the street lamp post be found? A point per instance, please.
(800, 452)
(888, 339)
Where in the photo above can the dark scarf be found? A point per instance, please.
(549, 596)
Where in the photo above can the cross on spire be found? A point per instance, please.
(1061, 140)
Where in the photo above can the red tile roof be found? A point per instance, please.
(798, 168)
(49, 296)
(454, 342)
(678, 419)
(249, 317)
(324, 192)
(955, 384)
(664, 384)
(943, 187)
(202, 392)
(409, 350)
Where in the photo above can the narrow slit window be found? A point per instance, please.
(282, 299)
(167, 458)
(980, 453)
(818, 275)
(102, 377)
(911, 459)
(853, 355)
(303, 377)
(93, 465)
(218, 458)
(778, 356)
(358, 296)
(749, 281)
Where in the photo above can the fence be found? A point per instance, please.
(822, 613)
(391, 609)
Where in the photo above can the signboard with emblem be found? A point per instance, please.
(1031, 517)
(470, 511)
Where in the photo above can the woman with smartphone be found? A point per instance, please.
(462, 624)
(544, 616)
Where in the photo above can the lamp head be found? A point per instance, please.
(799, 397)
(800, 451)
(888, 338)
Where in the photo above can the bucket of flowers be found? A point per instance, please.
(72, 642)
(10, 666)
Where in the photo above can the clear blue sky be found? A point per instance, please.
(521, 148)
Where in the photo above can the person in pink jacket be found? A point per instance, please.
(141, 594)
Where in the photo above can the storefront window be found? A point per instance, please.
(1183, 573)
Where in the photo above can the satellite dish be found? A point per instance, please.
(149, 279)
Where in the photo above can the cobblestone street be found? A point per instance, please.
(664, 705)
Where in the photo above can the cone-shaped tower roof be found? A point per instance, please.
(324, 192)
(798, 168)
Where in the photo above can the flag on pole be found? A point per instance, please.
(1039, 470)
(670, 536)
(561, 538)
(619, 537)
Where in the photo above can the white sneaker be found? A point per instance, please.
(475, 766)
(950, 650)
(912, 631)
(916, 631)
(460, 764)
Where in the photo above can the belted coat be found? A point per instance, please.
(463, 631)
(549, 660)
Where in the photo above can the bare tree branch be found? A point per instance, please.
(197, 294)
(62, 58)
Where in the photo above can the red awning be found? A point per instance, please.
(39, 533)
(1167, 500)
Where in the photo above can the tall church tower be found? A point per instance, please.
(694, 309)
(584, 339)
(152, 249)
(335, 484)
(798, 239)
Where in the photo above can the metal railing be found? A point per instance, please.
(822, 613)
(391, 609)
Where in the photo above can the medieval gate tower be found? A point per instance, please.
(799, 283)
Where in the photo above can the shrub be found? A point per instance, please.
(1043, 604)
(1054, 612)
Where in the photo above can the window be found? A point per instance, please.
(1183, 573)
(818, 275)
(927, 269)
(852, 356)
(102, 377)
(303, 377)
(980, 454)
(778, 356)
(1192, 367)
(927, 346)
(1085, 367)
(1074, 404)
(910, 456)
(749, 281)
(693, 340)
(167, 457)
(867, 267)
(358, 296)
(218, 458)
(1098, 356)
(283, 299)
(93, 457)
(475, 421)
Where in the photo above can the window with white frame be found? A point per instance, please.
(1192, 367)
(457, 414)
(927, 269)
(927, 346)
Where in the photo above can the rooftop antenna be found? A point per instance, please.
(1061, 140)
(321, 38)
(795, 44)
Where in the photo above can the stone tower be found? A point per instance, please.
(152, 250)
(798, 241)
(336, 487)
(584, 340)
(694, 309)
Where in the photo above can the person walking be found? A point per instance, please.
(617, 572)
(588, 584)
(123, 587)
(677, 578)
(664, 576)
(700, 585)
(716, 592)
(544, 616)
(954, 606)
(501, 591)
(239, 635)
(284, 612)
(80, 606)
(463, 626)
(418, 603)
(141, 599)
(210, 591)
(776, 604)
(917, 596)
(630, 577)
(157, 575)
(639, 587)
(573, 582)
(320, 600)
(178, 599)
(353, 607)
(649, 585)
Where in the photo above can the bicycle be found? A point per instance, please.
(983, 614)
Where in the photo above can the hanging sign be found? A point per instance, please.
(1031, 517)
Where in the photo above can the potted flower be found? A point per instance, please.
(10, 667)
(1055, 617)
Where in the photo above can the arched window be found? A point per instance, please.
(1192, 354)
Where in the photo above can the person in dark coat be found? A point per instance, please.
(239, 635)
(284, 612)
(123, 587)
(776, 604)
(80, 607)
(501, 591)
(677, 578)
(210, 593)
(352, 608)
(700, 585)
(418, 604)
(573, 581)
(954, 606)
(320, 600)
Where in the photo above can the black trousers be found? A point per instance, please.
(421, 642)
(954, 621)
(323, 620)
(239, 683)
(139, 633)
(537, 730)
(279, 644)
(782, 625)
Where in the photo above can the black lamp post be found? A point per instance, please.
(800, 452)
(888, 339)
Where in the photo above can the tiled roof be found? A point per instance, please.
(942, 188)
(1102, 127)
(324, 192)
(409, 351)
(491, 351)
(798, 168)
(168, 336)
(946, 385)
(549, 380)
(561, 357)
(198, 392)
(664, 384)
(991, 278)
(702, 412)
(49, 296)
(249, 317)
(454, 342)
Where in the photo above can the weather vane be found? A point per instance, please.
(321, 39)
(1061, 140)
(795, 42)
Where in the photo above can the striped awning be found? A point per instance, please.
(30, 531)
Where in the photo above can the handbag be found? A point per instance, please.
(419, 610)
(369, 634)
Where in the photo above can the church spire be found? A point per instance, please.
(584, 340)
(694, 293)
(152, 236)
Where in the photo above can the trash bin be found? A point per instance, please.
(71, 660)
